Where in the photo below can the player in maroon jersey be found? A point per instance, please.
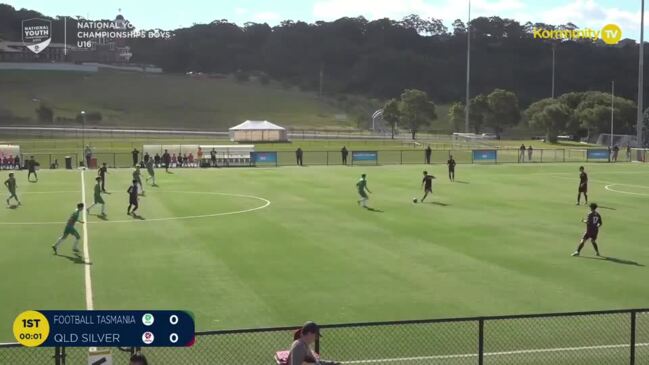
(593, 223)
(583, 185)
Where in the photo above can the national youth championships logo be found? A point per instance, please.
(610, 34)
(37, 34)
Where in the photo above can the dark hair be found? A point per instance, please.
(134, 181)
(593, 206)
(581, 167)
(362, 175)
(98, 178)
(425, 172)
(138, 358)
(80, 205)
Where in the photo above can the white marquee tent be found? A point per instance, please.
(258, 131)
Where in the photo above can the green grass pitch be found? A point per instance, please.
(497, 241)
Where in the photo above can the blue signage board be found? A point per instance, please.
(264, 157)
(597, 154)
(365, 156)
(484, 155)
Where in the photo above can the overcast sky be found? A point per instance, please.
(163, 14)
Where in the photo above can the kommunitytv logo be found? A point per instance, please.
(610, 34)
(37, 34)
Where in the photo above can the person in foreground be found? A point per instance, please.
(361, 185)
(70, 230)
(138, 359)
(593, 223)
(300, 352)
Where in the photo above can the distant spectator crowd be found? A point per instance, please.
(9, 162)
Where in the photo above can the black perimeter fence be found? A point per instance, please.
(384, 157)
(580, 338)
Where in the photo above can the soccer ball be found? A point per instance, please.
(414, 200)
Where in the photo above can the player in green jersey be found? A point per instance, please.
(70, 230)
(97, 197)
(137, 176)
(361, 185)
(151, 171)
(10, 183)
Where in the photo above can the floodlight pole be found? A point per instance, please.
(640, 113)
(554, 50)
(612, 109)
(468, 71)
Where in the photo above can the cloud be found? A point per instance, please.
(266, 17)
(447, 10)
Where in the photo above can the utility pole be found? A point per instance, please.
(612, 109)
(468, 71)
(640, 114)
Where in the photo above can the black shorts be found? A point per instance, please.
(590, 234)
(428, 189)
(132, 201)
(583, 188)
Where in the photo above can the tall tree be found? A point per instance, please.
(416, 110)
(478, 111)
(392, 114)
(503, 110)
(551, 115)
(456, 116)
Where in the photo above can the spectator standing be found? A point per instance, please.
(146, 158)
(199, 156)
(166, 159)
(530, 151)
(628, 152)
(213, 157)
(616, 151)
(344, 153)
(298, 156)
(156, 160)
(136, 156)
(428, 153)
(521, 154)
(88, 153)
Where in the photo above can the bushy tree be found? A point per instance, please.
(416, 110)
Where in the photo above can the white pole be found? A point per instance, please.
(640, 80)
(468, 71)
(554, 46)
(612, 109)
(65, 36)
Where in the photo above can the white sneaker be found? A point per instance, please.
(575, 254)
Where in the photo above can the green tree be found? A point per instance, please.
(551, 115)
(503, 110)
(456, 116)
(416, 110)
(392, 114)
(478, 111)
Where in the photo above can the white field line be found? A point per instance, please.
(610, 188)
(86, 252)
(501, 353)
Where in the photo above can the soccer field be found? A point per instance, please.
(264, 247)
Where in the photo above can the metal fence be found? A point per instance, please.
(385, 157)
(604, 337)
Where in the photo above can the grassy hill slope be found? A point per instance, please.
(172, 101)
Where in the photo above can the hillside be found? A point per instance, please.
(162, 100)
